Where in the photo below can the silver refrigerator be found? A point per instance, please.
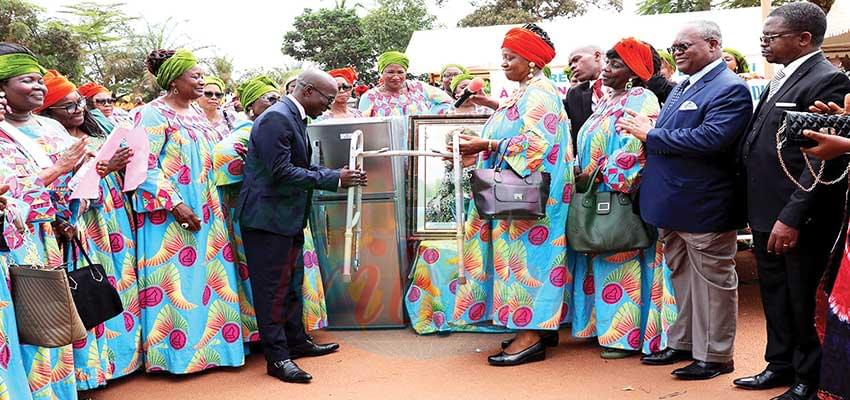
(374, 297)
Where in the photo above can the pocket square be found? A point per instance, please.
(687, 106)
(786, 105)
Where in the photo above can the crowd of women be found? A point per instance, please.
(172, 247)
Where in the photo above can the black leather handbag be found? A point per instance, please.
(96, 299)
(794, 122)
(502, 193)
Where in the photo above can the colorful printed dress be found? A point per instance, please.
(625, 299)
(50, 371)
(834, 313)
(113, 349)
(228, 163)
(352, 113)
(516, 270)
(419, 98)
(187, 280)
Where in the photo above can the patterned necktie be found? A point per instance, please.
(775, 84)
(678, 92)
(596, 93)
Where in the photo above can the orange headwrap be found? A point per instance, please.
(529, 46)
(637, 56)
(58, 86)
(90, 89)
(348, 73)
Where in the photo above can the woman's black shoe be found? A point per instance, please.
(549, 339)
(535, 352)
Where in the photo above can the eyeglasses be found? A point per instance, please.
(683, 47)
(213, 95)
(330, 99)
(344, 87)
(104, 102)
(273, 98)
(71, 108)
(771, 37)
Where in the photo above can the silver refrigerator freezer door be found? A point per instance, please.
(373, 298)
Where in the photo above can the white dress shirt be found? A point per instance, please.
(701, 73)
(298, 105)
(793, 66)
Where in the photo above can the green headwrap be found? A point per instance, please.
(667, 58)
(214, 80)
(17, 64)
(568, 72)
(743, 66)
(547, 72)
(458, 79)
(172, 68)
(253, 89)
(462, 69)
(392, 57)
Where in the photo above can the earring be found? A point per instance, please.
(531, 70)
(175, 91)
(629, 85)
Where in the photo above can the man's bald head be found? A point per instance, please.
(315, 90)
(586, 62)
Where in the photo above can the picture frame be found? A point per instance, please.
(426, 175)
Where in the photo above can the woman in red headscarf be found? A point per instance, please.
(623, 299)
(516, 270)
(100, 98)
(345, 80)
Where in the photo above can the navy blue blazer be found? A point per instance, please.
(279, 180)
(689, 181)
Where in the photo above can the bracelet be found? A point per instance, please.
(490, 146)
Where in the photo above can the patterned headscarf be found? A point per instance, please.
(176, 65)
(348, 73)
(214, 80)
(255, 88)
(458, 79)
(743, 66)
(91, 89)
(637, 56)
(668, 59)
(58, 86)
(529, 46)
(392, 57)
(17, 64)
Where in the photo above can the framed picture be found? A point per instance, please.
(431, 195)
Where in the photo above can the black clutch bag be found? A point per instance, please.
(795, 122)
(94, 296)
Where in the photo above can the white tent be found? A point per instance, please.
(479, 48)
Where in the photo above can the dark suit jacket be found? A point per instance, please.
(579, 105)
(688, 183)
(279, 180)
(770, 194)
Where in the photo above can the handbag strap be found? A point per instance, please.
(77, 245)
(592, 186)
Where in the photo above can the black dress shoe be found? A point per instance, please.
(287, 371)
(549, 339)
(799, 391)
(767, 379)
(701, 370)
(310, 349)
(535, 352)
(666, 357)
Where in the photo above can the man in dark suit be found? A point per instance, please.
(688, 192)
(793, 230)
(273, 207)
(581, 100)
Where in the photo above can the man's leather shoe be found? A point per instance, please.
(767, 379)
(310, 349)
(701, 370)
(287, 371)
(666, 357)
(799, 391)
(549, 339)
(535, 352)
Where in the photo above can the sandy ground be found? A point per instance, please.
(396, 364)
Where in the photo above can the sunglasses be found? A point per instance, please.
(272, 98)
(71, 108)
(679, 47)
(104, 102)
(214, 95)
(344, 87)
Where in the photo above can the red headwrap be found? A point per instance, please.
(58, 86)
(360, 89)
(348, 73)
(90, 89)
(637, 56)
(529, 46)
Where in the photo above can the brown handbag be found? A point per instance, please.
(502, 193)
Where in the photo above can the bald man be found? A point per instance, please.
(581, 100)
(273, 207)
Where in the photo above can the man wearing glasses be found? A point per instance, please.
(272, 210)
(688, 192)
(793, 230)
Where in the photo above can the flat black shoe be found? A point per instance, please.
(799, 391)
(535, 352)
(310, 349)
(549, 339)
(666, 357)
(287, 371)
(767, 379)
(701, 370)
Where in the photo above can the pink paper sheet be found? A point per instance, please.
(137, 169)
(87, 179)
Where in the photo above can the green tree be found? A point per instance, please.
(222, 67)
(647, 7)
(391, 24)
(503, 12)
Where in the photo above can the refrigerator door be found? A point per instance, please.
(373, 298)
(331, 141)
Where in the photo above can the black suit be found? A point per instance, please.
(273, 207)
(788, 282)
(579, 105)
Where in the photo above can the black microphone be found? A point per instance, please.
(474, 87)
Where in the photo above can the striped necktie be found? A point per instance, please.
(674, 97)
(775, 84)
